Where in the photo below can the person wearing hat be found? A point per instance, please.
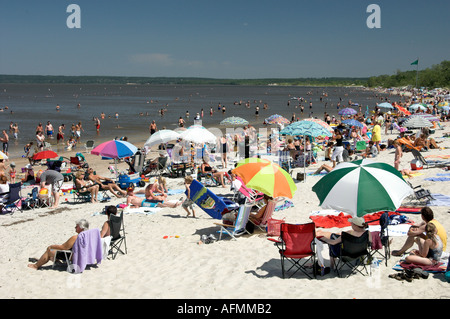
(358, 228)
(29, 174)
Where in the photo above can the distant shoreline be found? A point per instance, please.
(124, 80)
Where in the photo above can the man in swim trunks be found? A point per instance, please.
(49, 129)
(136, 201)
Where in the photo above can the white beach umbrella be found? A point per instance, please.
(162, 136)
(417, 122)
(198, 134)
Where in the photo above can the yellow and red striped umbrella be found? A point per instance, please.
(266, 177)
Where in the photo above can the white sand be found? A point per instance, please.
(180, 267)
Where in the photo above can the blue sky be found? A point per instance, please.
(222, 39)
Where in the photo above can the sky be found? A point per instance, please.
(222, 39)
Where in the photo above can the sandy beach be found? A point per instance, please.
(166, 261)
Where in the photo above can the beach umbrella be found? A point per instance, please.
(322, 123)
(416, 106)
(429, 117)
(385, 105)
(115, 149)
(162, 136)
(44, 155)
(441, 104)
(309, 128)
(362, 187)
(198, 134)
(347, 111)
(276, 119)
(3, 156)
(353, 122)
(446, 108)
(266, 177)
(402, 109)
(234, 121)
(417, 122)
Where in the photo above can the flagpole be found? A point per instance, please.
(417, 73)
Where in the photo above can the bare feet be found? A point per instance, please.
(33, 266)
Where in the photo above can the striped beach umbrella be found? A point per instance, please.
(266, 177)
(362, 187)
(234, 121)
(347, 111)
(115, 149)
(276, 119)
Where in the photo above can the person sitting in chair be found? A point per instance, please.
(205, 169)
(258, 216)
(107, 184)
(106, 228)
(86, 186)
(49, 254)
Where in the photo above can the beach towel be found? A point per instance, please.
(143, 210)
(439, 200)
(438, 179)
(87, 249)
(340, 219)
(439, 267)
(285, 205)
(106, 242)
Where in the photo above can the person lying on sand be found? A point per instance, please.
(136, 201)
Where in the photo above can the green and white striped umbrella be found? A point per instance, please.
(362, 187)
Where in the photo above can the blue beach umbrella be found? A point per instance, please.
(386, 105)
(353, 122)
(308, 128)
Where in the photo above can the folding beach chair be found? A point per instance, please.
(78, 195)
(419, 193)
(14, 201)
(87, 250)
(429, 164)
(383, 239)
(297, 245)
(354, 253)
(251, 196)
(89, 145)
(270, 208)
(238, 228)
(117, 235)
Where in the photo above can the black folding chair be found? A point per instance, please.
(118, 235)
(354, 253)
(14, 201)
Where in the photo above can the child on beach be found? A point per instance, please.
(188, 203)
(12, 173)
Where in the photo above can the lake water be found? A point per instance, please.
(137, 105)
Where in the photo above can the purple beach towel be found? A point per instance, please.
(87, 249)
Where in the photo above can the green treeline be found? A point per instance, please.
(51, 79)
(436, 76)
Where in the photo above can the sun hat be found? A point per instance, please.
(358, 221)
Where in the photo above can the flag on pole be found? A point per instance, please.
(415, 62)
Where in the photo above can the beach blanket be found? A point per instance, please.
(142, 210)
(285, 205)
(439, 200)
(438, 179)
(440, 267)
(332, 218)
(413, 175)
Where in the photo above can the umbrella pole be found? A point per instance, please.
(304, 158)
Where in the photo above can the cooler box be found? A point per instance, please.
(125, 180)
(416, 165)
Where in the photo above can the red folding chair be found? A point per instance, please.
(296, 244)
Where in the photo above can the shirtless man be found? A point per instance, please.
(60, 135)
(150, 200)
(152, 128)
(110, 185)
(49, 129)
(5, 139)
